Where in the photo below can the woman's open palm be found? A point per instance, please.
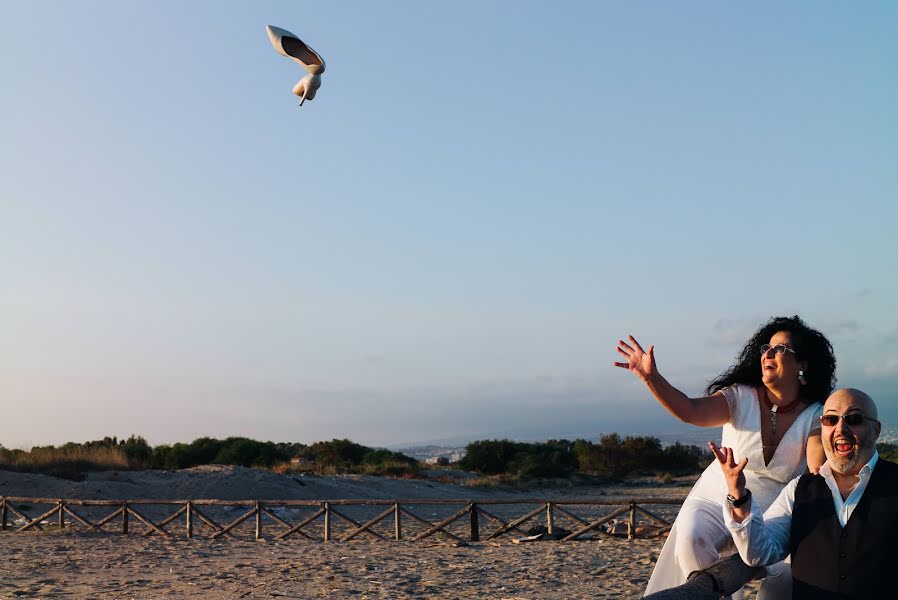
(640, 362)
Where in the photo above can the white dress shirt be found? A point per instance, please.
(764, 539)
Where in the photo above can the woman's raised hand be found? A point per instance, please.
(640, 362)
(732, 472)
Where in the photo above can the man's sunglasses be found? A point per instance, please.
(851, 419)
(777, 350)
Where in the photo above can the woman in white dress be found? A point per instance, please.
(768, 404)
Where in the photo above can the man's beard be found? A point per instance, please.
(847, 464)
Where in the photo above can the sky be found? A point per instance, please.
(447, 242)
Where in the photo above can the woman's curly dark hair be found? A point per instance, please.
(809, 344)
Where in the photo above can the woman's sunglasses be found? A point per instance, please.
(777, 350)
(851, 419)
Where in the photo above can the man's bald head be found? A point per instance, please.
(860, 399)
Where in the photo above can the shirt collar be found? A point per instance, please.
(871, 463)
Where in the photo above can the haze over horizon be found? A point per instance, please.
(450, 238)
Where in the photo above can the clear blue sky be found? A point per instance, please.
(450, 238)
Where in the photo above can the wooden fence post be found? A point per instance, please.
(550, 518)
(3, 515)
(258, 520)
(397, 520)
(189, 523)
(61, 516)
(327, 522)
(124, 517)
(631, 522)
(475, 523)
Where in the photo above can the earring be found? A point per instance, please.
(801, 378)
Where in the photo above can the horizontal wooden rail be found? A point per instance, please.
(353, 501)
(320, 519)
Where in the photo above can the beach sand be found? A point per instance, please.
(78, 564)
(83, 565)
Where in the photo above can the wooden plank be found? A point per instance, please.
(279, 520)
(296, 528)
(84, 502)
(574, 517)
(475, 523)
(23, 515)
(3, 515)
(356, 523)
(571, 515)
(167, 520)
(148, 523)
(550, 519)
(109, 517)
(240, 519)
(596, 523)
(356, 501)
(208, 521)
(397, 522)
(80, 519)
(442, 524)
(37, 520)
(428, 523)
(499, 520)
(258, 521)
(653, 516)
(365, 527)
(512, 524)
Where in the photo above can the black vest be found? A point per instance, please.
(857, 561)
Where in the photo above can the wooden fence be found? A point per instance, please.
(328, 517)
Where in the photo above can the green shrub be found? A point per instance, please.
(339, 453)
(490, 457)
(615, 457)
(888, 451)
(245, 452)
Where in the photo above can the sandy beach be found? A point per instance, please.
(78, 564)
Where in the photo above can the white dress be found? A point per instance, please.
(702, 535)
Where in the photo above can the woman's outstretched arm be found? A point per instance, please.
(708, 411)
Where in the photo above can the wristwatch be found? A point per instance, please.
(737, 502)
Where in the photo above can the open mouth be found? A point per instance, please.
(843, 447)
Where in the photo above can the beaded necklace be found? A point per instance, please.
(777, 410)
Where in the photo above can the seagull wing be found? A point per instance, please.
(287, 44)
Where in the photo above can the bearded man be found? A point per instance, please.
(841, 526)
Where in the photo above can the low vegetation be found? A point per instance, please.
(613, 457)
(73, 460)
(498, 462)
(70, 461)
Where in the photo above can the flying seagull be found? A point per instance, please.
(287, 44)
